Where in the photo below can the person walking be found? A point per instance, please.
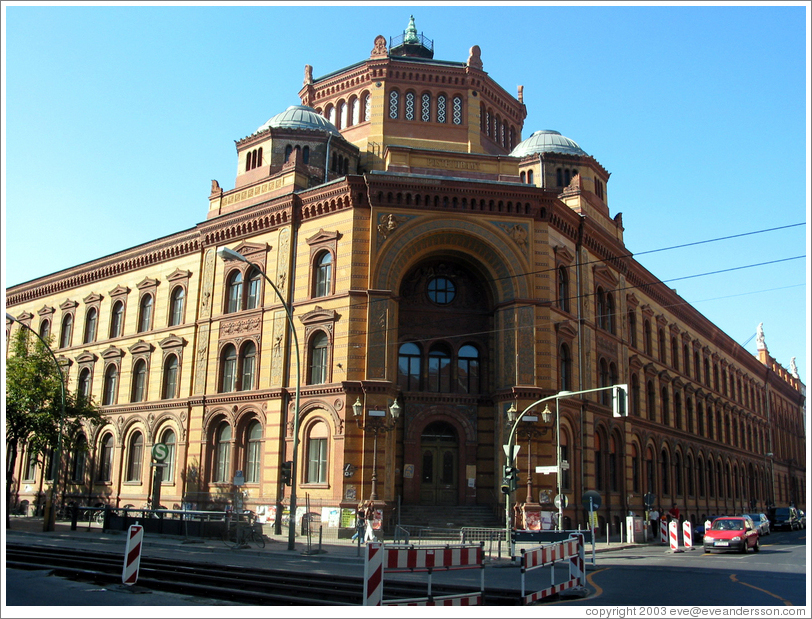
(369, 518)
(654, 518)
(359, 521)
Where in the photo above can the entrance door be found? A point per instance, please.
(439, 465)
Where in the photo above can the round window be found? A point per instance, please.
(441, 290)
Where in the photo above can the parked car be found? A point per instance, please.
(761, 522)
(783, 518)
(731, 533)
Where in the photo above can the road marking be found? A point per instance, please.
(736, 580)
(598, 590)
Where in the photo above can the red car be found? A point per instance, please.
(737, 533)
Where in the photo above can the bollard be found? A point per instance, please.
(687, 534)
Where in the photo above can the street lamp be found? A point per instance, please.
(48, 523)
(228, 255)
(529, 430)
(376, 423)
(620, 393)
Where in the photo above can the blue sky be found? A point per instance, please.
(116, 119)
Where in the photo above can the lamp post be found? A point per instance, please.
(619, 410)
(227, 255)
(529, 430)
(48, 523)
(375, 423)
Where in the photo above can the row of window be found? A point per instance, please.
(496, 128)
(439, 368)
(176, 316)
(425, 108)
(253, 159)
(138, 378)
(345, 114)
(605, 318)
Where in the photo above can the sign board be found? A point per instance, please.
(649, 498)
(546, 470)
(507, 450)
(561, 501)
(565, 466)
(239, 478)
(159, 452)
(594, 496)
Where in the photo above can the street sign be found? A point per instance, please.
(649, 499)
(159, 452)
(546, 470)
(506, 449)
(565, 466)
(239, 478)
(596, 499)
(561, 501)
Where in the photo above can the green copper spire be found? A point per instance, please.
(410, 34)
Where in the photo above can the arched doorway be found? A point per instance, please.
(439, 447)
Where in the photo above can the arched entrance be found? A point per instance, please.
(439, 464)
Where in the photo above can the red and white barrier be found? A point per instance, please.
(380, 560)
(132, 554)
(571, 550)
(663, 532)
(687, 534)
(373, 574)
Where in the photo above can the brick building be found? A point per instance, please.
(430, 258)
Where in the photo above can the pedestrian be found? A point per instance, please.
(359, 520)
(654, 517)
(369, 518)
(673, 513)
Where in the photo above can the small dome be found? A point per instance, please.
(300, 117)
(547, 141)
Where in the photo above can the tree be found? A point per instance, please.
(34, 406)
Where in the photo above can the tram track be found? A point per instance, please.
(236, 584)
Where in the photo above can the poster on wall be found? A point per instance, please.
(377, 522)
(547, 520)
(266, 514)
(532, 521)
(348, 518)
(331, 516)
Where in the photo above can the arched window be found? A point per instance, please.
(306, 155)
(661, 345)
(647, 336)
(563, 289)
(110, 388)
(106, 458)
(394, 104)
(441, 109)
(632, 323)
(678, 411)
(651, 401)
(666, 407)
(78, 459)
(635, 404)
(317, 454)
(409, 106)
(600, 308)
(318, 358)
(248, 364)
(234, 291)
(409, 367)
(603, 381)
(674, 354)
(83, 386)
(635, 469)
(135, 457)
(145, 313)
(665, 488)
(45, 328)
(176, 306)
(439, 369)
(425, 107)
(170, 379)
(530, 177)
(609, 322)
(253, 453)
(222, 454)
(456, 110)
(228, 373)
(91, 318)
(522, 177)
(342, 117)
(599, 477)
(254, 288)
(678, 474)
(66, 335)
(168, 439)
(355, 116)
(117, 320)
(565, 368)
(323, 274)
(139, 381)
(686, 359)
(368, 108)
(288, 151)
(468, 369)
(700, 477)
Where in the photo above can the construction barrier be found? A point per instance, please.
(673, 536)
(687, 534)
(571, 550)
(663, 532)
(380, 559)
(132, 555)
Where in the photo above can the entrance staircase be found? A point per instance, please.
(450, 517)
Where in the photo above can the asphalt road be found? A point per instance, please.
(651, 576)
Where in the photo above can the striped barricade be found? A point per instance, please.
(132, 554)
(687, 534)
(381, 559)
(663, 532)
(571, 550)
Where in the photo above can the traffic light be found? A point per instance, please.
(510, 479)
(620, 396)
(286, 472)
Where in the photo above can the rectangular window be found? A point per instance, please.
(317, 461)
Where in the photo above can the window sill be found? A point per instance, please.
(316, 486)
